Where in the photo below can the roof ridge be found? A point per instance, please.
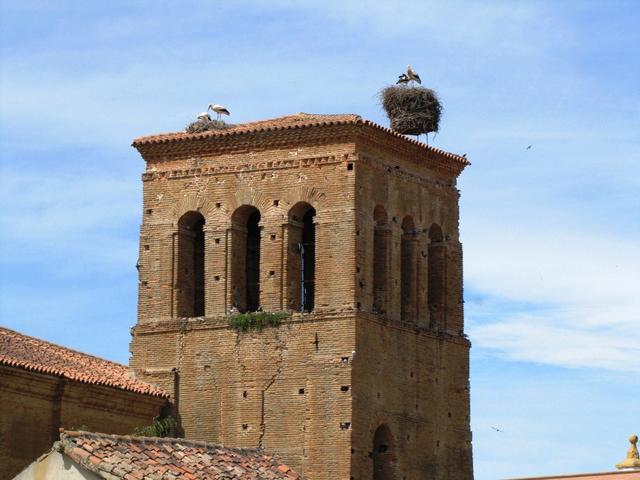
(66, 348)
(70, 434)
(37, 355)
(287, 122)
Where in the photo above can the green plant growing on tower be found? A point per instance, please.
(243, 322)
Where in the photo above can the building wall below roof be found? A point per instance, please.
(285, 389)
(414, 384)
(34, 406)
(55, 466)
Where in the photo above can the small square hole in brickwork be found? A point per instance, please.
(217, 278)
(349, 166)
(438, 443)
(408, 437)
(301, 391)
(272, 273)
(146, 247)
(217, 240)
(244, 394)
(357, 232)
(276, 203)
(272, 236)
(245, 426)
(449, 414)
(344, 359)
(144, 284)
(358, 269)
(345, 425)
(218, 205)
(344, 388)
(358, 305)
(411, 374)
(352, 452)
(378, 394)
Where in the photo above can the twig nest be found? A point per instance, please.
(202, 125)
(411, 110)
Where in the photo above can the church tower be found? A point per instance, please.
(341, 237)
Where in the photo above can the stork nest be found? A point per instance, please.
(205, 125)
(411, 110)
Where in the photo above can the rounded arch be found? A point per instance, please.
(241, 215)
(383, 453)
(191, 202)
(437, 278)
(408, 226)
(381, 242)
(408, 271)
(435, 233)
(190, 254)
(380, 216)
(191, 220)
(299, 210)
(301, 257)
(245, 254)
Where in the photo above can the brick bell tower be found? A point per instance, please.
(353, 230)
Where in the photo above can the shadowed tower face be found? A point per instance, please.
(353, 232)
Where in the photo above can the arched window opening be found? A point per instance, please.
(382, 454)
(437, 272)
(381, 240)
(301, 264)
(190, 266)
(245, 254)
(308, 260)
(408, 271)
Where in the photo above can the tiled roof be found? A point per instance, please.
(168, 458)
(30, 353)
(289, 122)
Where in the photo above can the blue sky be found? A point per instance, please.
(551, 234)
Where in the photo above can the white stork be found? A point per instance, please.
(412, 75)
(219, 109)
(204, 117)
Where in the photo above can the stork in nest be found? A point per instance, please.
(219, 109)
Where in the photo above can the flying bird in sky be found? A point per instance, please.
(529, 147)
(497, 429)
(219, 109)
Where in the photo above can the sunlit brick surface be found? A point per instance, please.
(315, 390)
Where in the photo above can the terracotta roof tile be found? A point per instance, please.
(289, 122)
(168, 458)
(30, 353)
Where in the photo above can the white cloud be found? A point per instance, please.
(574, 292)
(74, 221)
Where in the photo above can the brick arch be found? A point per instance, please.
(383, 454)
(408, 271)
(310, 195)
(192, 202)
(246, 197)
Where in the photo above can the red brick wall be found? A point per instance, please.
(298, 390)
(34, 406)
